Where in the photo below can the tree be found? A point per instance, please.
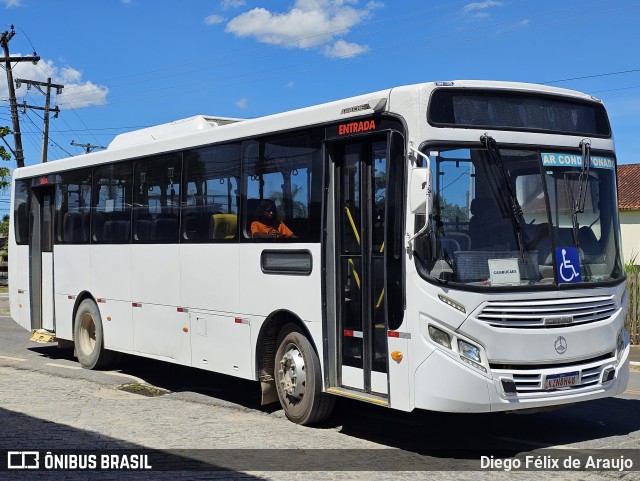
(5, 172)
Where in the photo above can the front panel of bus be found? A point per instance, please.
(518, 294)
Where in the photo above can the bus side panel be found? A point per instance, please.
(19, 285)
(263, 294)
(158, 327)
(72, 275)
(222, 344)
(209, 277)
(111, 286)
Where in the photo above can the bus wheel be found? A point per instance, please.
(298, 379)
(88, 337)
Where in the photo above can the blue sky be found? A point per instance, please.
(128, 64)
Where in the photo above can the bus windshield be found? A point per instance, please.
(514, 217)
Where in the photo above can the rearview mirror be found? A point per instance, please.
(420, 191)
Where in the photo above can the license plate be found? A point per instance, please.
(558, 381)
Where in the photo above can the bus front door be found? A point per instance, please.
(360, 223)
(41, 258)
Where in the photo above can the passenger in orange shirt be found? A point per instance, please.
(268, 226)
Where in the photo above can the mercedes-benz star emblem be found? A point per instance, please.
(560, 345)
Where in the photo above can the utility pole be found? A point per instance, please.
(88, 147)
(46, 108)
(4, 40)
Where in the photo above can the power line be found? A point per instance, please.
(607, 74)
(259, 75)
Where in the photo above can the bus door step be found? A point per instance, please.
(361, 396)
(42, 336)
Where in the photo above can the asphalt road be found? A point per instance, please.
(48, 402)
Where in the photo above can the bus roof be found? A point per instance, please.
(202, 130)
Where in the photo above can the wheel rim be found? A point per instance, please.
(87, 334)
(293, 376)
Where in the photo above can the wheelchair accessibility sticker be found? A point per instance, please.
(568, 264)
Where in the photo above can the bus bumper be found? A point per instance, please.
(444, 384)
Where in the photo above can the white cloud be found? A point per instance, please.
(477, 7)
(12, 3)
(290, 85)
(342, 49)
(309, 23)
(125, 2)
(214, 20)
(77, 93)
(229, 4)
(242, 103)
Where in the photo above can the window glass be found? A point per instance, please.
(73, 207)
(112, 190)
(156, 199)
(210, 196)
(21, 212)
(283, 187)
(47, 221)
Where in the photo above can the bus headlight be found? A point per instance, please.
(440, 337)
(469, 351)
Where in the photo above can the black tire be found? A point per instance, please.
(299, 379)
(88, 337)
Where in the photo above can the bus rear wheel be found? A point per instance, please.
(88, 337)
(299, 380)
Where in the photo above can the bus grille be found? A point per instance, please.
(529, 379)
(546, 313)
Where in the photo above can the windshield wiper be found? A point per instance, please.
(515, 208)
(583, 179)
(577, 204)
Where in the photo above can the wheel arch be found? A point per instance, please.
(79, 298)
(266, 347)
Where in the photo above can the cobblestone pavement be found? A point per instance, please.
(41, 411)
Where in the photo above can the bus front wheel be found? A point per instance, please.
(89, 339)
(298, 378)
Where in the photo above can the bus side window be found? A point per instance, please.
(210, 194)
(286, 170)
(73, 207)
(156, 199)
(21, 212)
(111, 206)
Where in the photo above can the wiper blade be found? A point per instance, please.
(577, 203)
(583, 179)
(516, 210)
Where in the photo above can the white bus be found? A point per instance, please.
(450, 246)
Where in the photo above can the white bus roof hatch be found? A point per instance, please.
(174, 129)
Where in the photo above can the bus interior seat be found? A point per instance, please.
(115, 231)
(588, 241)
(144, 230)
(461, 238)
(166, 228)
(488, 227)
(223, 226)
(75, 227)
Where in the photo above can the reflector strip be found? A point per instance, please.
(103, 301)
(136, 304)
(20, 291)
(241, 321)
(401, 335)
(182, 309)
(351, 333)
(71, 297)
